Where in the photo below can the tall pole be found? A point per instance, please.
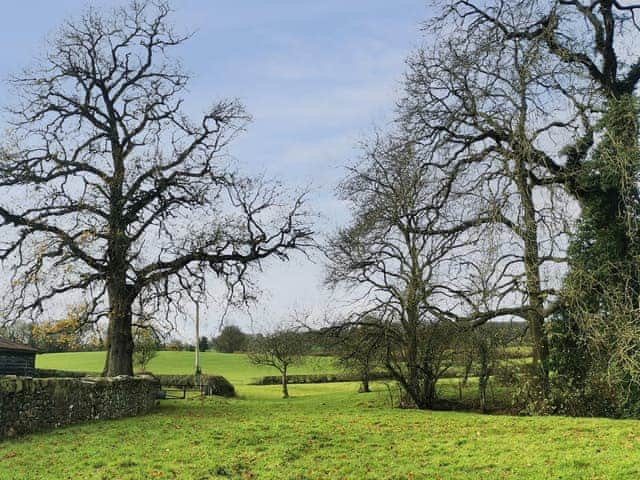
(197, 299)
(198, 371)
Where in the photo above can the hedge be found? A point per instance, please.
(317, 378)
(213, 384)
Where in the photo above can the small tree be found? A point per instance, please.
(204, 344)
(359, 350)
(280, 350)
(145, 347)
(231, 339)
(486, 345)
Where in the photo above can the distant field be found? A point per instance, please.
(235, 367)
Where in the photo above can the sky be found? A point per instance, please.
(317, 78)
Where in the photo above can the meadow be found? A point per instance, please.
(325, 431)
(235, 367)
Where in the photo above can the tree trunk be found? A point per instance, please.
(364, 388)
(482, 386)
(483, 378)
(120, 339)
(285, 381)
(429, 393)
(468, 363)
(531, 253)
(119, 359)
(535, 315)
(412, 319)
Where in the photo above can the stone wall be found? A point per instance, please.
(33, 404)
(51, 373)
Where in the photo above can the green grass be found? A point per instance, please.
(325, 431)
(235, 367)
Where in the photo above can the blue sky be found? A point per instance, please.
(315, 76)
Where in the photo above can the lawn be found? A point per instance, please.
(325, 431)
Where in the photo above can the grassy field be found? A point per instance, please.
(235, 367)
(325, 431)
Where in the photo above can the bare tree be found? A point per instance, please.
(279, 349)
(406, 278)
(359, 349)
(492, 114)
(122, 195)
(487, 345)
(600, 170)
(595, 36)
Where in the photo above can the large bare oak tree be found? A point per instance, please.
(111, 193)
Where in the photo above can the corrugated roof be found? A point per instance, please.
(7, 345)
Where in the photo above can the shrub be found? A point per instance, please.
(145, 347)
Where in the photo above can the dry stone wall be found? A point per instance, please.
(34, 404)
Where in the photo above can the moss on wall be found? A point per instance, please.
(33, 404)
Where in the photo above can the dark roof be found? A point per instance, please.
(18, 347)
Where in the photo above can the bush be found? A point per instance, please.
(592, 378)
(529, 396)
(145, 348)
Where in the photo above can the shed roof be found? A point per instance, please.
(18, 347)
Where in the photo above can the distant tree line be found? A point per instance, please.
(66, 335)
